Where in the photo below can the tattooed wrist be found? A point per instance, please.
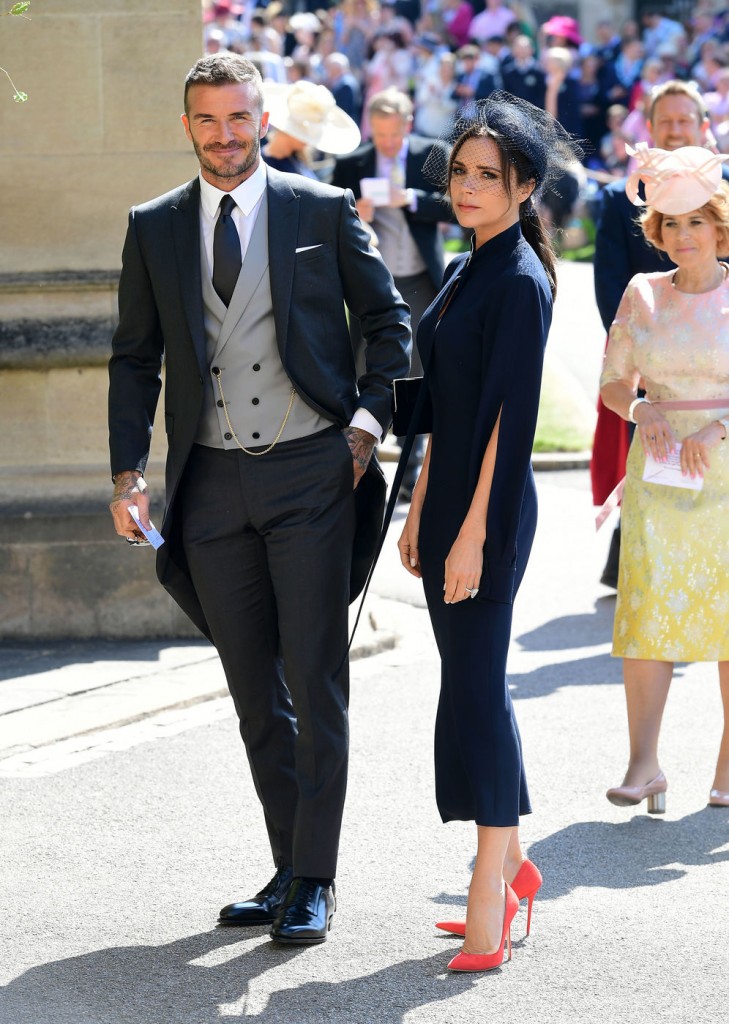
(128, 484)
(361, 445)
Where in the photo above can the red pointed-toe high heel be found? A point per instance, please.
(488, 961)
(527, 883)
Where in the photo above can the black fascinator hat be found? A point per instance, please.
(525, 132)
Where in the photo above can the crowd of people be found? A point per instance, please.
(449, 53)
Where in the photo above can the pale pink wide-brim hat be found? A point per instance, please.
(309, 113)
(675, 182)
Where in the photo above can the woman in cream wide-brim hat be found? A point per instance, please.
(305, 116)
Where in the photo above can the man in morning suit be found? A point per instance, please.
(274, 502)
(677, 118)
(407, 228)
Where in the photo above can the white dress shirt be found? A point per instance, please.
(247, 197)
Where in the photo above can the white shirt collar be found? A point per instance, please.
(400, 157)
(246, 195)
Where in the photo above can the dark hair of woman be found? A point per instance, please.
(531, 223)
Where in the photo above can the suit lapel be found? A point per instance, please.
(283, 232)
(186, 234)
(412, 166)
(369, 165)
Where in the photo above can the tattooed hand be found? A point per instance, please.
(361, 444)
(129, 489)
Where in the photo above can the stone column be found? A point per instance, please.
(99, 133)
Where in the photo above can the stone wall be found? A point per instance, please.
(100, 132)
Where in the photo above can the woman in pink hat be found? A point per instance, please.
(671, 335)
(562, 31)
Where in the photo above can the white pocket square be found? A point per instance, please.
(305, 248)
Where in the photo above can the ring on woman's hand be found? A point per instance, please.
(472, 591)
(652, 437)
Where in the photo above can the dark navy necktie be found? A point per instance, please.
(226, 252)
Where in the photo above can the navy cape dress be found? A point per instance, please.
(485, 355)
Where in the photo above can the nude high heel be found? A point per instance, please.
(629, 796)
(718, 799)
(488, 961)
(527, 883)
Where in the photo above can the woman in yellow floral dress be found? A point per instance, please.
(671, 334)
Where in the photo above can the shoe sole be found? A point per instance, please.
(623, 801)
(226, 923)
(285, 941)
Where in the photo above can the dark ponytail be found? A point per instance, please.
(532, 227)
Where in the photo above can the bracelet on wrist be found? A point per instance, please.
(632, 406)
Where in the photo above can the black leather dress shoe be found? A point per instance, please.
(306, 914)
(263, 907)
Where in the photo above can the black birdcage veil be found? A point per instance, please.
(534, 142)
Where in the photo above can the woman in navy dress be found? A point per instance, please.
(472, 518)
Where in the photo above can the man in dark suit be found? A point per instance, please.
(522, 75)
(343, 86)
(407, 226)
(240, 279)
(677, 118)
(473, 82)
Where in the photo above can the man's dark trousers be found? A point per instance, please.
(267, 540)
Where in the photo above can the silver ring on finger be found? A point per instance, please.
(471, 591)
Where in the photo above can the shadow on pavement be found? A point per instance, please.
(164, 985)
(599, 670)
(27, 658)
(631, 854)
(573, 630)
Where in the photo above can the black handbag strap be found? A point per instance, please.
(407, 447)
(403, 462)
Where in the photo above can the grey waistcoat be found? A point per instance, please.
(397, 247)
(241, 342)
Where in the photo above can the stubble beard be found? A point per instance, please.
(232, 170)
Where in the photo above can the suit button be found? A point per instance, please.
(255, 435)
(256, 366)
(227, 437)
(215, 370)
(255, 401)
(200, 379)
(221, 403)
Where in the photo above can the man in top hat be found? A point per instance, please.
(239, 281)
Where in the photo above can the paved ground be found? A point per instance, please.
(129, 819)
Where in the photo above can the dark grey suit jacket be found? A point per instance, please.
(431, 207)
(161, 314)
